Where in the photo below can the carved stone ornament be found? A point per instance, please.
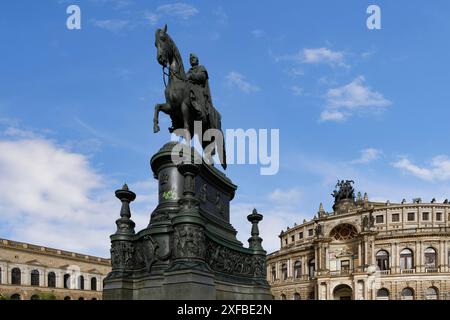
(225, 260)
(189, 242)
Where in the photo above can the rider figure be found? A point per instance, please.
(200, 95)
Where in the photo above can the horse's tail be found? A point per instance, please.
(215, 121)
(223, 154)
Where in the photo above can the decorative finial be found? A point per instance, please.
(321, 210)
(124, 224)
(321, 207)
(255, 240)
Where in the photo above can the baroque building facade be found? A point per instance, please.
(365, 250)
(29, 272)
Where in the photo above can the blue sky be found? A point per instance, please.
(350, 103)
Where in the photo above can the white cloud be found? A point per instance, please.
(111, 24)
(297, 91)
(258, 33)
(332, 115)
(116, 4)
(290, 196)
(322, 55)
(178, 10)
(317, 56)
(53, 197)
(439, 169)
(276, 218)
(368, 155)
(355, 96)
(221, 15)
(238, 80)
(151, 17)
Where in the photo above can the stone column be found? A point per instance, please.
(446, 258)
(392, 258)
(359, 254)
(316, 260)
(418, 257)
(366, 251)
(372, 249)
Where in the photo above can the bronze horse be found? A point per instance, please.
(178, 105)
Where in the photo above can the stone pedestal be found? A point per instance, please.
(189, 249)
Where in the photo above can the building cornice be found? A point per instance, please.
(31, 248)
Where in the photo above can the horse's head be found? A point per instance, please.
(164, 52)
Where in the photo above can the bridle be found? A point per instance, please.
(171, 73)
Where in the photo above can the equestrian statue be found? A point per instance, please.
(188, 97)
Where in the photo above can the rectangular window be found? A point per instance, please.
(292, 238)
(425, 216)
(438, 216)
(285, 241)
(411, 216)
(300, 235)
(310, 232)
(345, 265)
(379, 219)
(395, 217)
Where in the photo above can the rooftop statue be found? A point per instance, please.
(188, 97)
(344, 190)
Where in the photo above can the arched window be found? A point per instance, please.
(51, 280)
(431, 293)
(430, 258)
(94, 283)
(16, 276)
(284, 271)
(407, 294)
(383, 294)
(311, 267)
(35, 297)
(296, 296)
(81, 282)
(283, 296)
(67, 298)
(383, 260)
(15, 296)
(274, 273)
(344, 232)
(297, 269)
(35, 278)
(67, 281)
(406, 259)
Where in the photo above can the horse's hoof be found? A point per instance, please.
(155, 128)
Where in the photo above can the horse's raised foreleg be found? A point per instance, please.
(164, 107)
